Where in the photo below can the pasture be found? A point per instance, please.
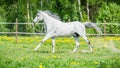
(106, 53)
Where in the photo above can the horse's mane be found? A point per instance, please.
(53, 15)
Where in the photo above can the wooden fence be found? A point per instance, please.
(42, 33)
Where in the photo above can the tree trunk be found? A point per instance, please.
(75, 7)
(80, 10)
(88, 16)
(28, 12)
(31, 13)
(41, 4)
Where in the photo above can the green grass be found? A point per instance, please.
(22, 54)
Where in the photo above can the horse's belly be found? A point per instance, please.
(65, 31)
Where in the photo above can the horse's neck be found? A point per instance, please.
(49, 19)
(51, 22)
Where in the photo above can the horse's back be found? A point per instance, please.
(79, 28)
(78, 24)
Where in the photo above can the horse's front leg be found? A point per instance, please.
(45, 38)
(53, 44)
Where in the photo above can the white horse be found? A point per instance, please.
(56, 28)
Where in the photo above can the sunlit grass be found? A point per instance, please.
(22, 54)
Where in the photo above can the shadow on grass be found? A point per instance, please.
(42, 51)
(62, 52)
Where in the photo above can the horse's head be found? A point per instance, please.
(38, 17)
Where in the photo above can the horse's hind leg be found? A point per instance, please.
(88, 42)
(45, 38)
(77, 43)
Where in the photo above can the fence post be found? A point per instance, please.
(16, 30)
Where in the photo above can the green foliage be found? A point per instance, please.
(3, 28)
(111, 14)
(2, 14)
(68, 10)
(40, 28)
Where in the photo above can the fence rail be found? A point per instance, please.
(28, 33)
(44, 23)
(42, 33)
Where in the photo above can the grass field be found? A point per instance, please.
(106, 53)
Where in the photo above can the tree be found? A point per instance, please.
(68, 10)
(79, 7)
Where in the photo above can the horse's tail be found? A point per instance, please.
(93, 25)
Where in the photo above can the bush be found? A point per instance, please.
(111, 14)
